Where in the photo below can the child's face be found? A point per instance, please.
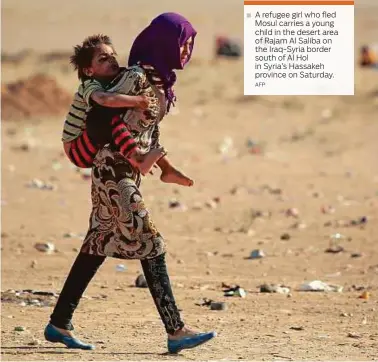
(104, 64)
(185, 51)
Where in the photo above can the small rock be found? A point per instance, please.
(35, 342)
(120, 267)
(38, 184)
(297, 328)
(175, 204)
(335, 249)
(299, 226)
(356, 255)
(19, 329)
(292, 212)
(361, 221)
(141, 282)
(266, 288)
(33, 264)
(319, 286)
(365, 295)
(257, 254)
(48, 248)
(211, 204)
(218, 306)
(285, 236)
(354, 335)
(327, 209)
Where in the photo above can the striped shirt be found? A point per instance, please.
(74, 124)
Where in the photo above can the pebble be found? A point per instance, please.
(141, 282)
(39, 184)
(354, 335)
(299, 226)
(19, 329)
(365, 295)
(266, 288)
(218, 306)
(121, 267)
(257, 254)
(319, 286)
(35, 342)
(175, 204)
(285, 236)
(293, 212)
(335, 249)
(327, 209)
(48, 248)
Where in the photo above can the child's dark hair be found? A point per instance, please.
(83, 54)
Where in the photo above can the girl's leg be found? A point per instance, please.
(82, 272)
(179, 336)
(156, 274)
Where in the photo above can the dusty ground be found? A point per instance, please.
(317, 152)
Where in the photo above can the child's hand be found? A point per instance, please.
(145, 102)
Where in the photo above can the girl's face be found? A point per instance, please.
(104, 64)
(185, 50)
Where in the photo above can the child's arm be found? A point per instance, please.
(115, 100)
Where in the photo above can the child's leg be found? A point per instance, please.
(82, 151)
(128, 147)
(171, 175)
(145, 162)
(122, 137)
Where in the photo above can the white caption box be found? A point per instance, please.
(298, 50)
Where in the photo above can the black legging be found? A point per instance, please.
(84, 269)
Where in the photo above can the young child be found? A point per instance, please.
(97, 69)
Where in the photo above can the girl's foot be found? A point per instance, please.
(183, 332)
(187, 338)
(64, 331)
(58, 335)
(174, 176)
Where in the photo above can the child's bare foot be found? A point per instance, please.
(174, 176)
(148, 160)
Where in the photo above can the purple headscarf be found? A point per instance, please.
(159, 45)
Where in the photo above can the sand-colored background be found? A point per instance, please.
(317, 152)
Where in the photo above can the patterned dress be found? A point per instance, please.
(120, 225)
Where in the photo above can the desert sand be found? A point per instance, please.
(311, 174)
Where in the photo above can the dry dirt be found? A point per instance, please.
(318, 157)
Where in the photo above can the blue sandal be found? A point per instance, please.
(53, 335)
(175, 346)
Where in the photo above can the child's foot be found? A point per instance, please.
(174, 176)
(150, 159)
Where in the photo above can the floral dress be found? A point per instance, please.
(120, 225)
